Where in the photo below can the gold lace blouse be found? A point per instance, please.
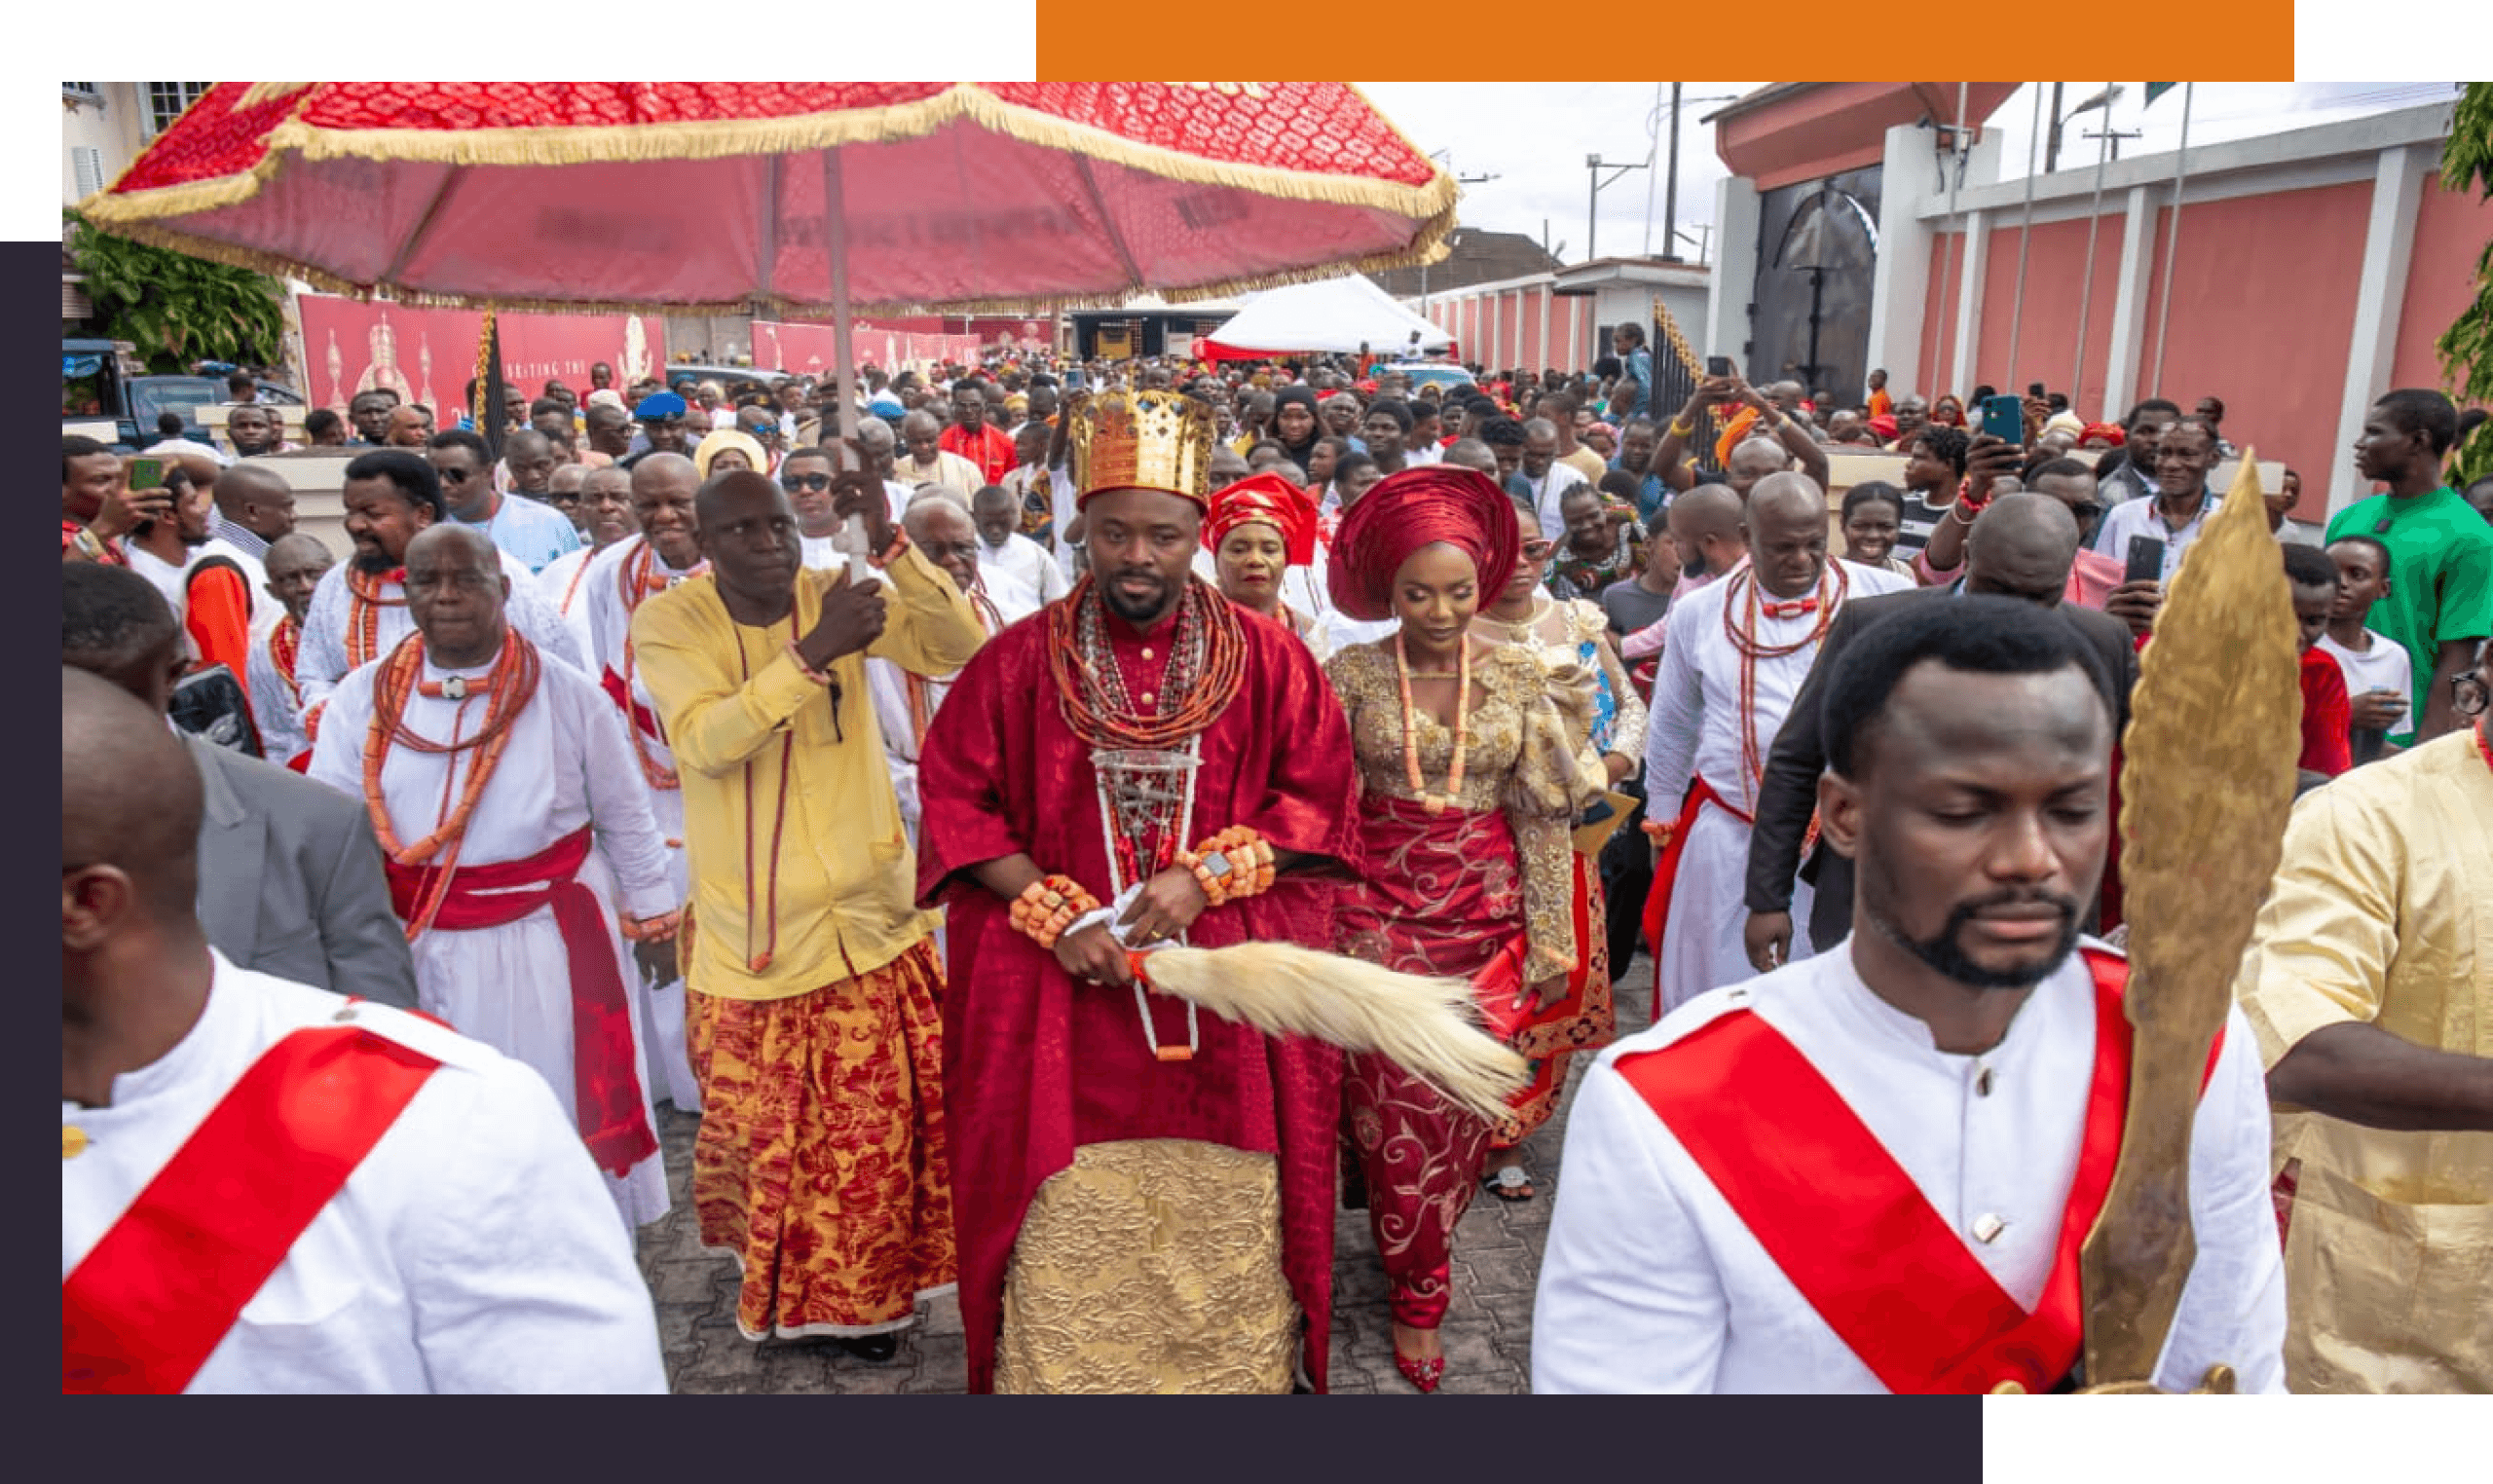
(1520, 759)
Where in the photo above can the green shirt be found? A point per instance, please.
(2441, 577)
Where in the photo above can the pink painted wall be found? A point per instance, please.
(2047, 338)
(2450, 229)
(1938, 322)
(1528, 342)
(2263, 309)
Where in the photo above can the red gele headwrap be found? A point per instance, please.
(2111, 430)
(1272, 499)
(1415, 509)
(1883, 428)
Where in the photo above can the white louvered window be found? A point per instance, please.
(87, 169)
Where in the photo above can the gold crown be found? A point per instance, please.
(1142, 440)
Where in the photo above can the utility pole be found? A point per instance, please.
(1592, 202)
(2115, 136)
(1670, 191)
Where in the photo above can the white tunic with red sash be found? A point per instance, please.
(1696, 908)
(1784, 1186)
(610, 623)
(532, 987)
(421, 1216)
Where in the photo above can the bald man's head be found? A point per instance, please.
(1705, 525)
(1752, 461)
(257, 499)
(129, 816)
(2021, 547)
(116, 625)
(1787, 528)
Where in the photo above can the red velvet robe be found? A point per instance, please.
(1035, 1065)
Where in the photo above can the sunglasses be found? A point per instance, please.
(792, 483)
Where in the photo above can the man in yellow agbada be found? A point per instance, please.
(2369, 984)
(812, 1017)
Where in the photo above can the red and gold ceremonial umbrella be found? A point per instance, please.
(709, 197)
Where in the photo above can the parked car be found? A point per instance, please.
(1426, 372)
(107, 395)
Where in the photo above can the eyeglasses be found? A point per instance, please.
(793, 483)
(451, 476)
(1540, 548)
(2467, 696)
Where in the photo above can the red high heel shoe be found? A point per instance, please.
(1422, 1374)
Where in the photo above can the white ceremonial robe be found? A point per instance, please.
(272, 704)
(667, 1058)
(471, 1251)
(322, 662)
(567, 764)
(889, 687)
(564, 586)
(1651, 1283)
(1026, 563)
(1696, 729)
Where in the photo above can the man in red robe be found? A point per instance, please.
(972, 436)
(1095, 1124)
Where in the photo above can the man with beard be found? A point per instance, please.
(1914, 1223)
(1081, 1120)
(822, 1160)
(294, 566)
(486, 769)
(359, 611)
(604, 501)
(1735, 653)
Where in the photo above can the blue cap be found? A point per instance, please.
(658, 405)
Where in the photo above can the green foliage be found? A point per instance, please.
(175, 307)
(2467, 348)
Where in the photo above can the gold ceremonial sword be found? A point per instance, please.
(2206, 786)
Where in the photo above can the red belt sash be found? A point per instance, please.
(1658, 901)
(619, 692)
(1850, 1230)
(605, 1068)
(150, 1303)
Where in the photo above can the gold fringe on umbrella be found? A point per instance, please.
(723, 138)
(1429, 1027)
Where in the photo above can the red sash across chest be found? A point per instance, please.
(1845, 1223)
(152, 1300)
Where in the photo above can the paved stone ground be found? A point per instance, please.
(1488, 1328)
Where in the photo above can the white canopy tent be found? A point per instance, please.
(1333, 314)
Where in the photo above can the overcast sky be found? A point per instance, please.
(1534, 137)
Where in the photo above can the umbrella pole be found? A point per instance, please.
(834, 215)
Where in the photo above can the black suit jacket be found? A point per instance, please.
(1787, 794)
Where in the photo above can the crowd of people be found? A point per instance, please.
(833, 768)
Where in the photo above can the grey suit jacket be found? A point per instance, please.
(291, 882)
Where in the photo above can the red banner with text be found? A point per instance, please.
(427, 354)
